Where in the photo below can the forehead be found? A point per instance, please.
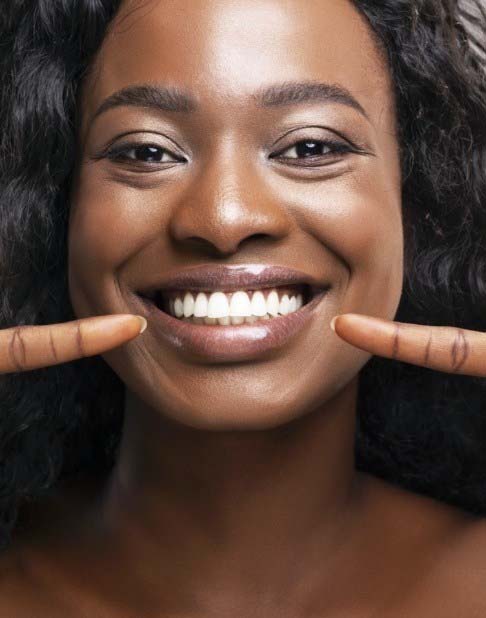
(224, 50)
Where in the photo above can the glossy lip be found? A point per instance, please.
(232, 343)
(217, 277)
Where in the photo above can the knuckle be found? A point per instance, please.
(427, 351)
(80, 340)
(53, 347)
(396, 341)
(16, 349)
(459, 351)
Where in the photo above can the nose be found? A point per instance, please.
(226, 205)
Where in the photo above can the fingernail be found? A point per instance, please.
(143, 323)
(333, 322)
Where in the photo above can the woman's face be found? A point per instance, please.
(231, 182)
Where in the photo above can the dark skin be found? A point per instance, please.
(228, 500)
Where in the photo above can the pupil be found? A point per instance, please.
(148, 153)
(303, 148)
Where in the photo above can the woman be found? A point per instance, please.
(296, 161)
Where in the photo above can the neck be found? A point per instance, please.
(263, 502)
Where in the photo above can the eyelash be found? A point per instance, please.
(119, 153)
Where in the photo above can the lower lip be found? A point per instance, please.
(230, 343)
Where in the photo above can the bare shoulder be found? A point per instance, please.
(449, 545)
(29, 586)
(20, 594)
(455, 585)
(463, 559)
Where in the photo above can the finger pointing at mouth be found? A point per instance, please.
(443, 348)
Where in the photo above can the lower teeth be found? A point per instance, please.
(228, 321)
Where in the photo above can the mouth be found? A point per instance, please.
(215, 313)
(206, 340)
(220, 308)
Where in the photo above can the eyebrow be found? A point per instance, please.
(174, 99)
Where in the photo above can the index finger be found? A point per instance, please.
(444, 348)
(24, 348)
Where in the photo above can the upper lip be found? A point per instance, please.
(232, 278)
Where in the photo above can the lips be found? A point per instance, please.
(230, 343)
(218, 344)
(209, 278)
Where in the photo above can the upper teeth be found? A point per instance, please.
(221, 305)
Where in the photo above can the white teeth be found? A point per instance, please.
(273, 303)
(240, 304)
(178, 308)
(284, 305)
(218, 308)
(258, 304)
(201, 306)
(188, 304)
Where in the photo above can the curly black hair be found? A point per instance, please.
(417, 428)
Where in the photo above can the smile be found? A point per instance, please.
(236, 325)
(229, 343)
(233, 308)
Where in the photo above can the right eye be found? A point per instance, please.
(141, 153)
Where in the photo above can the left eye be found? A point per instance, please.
(142, 153)
(314, 148)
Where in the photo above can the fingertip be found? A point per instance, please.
(143, 323)
(333, 323)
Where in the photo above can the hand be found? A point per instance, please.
(444, 348)
(30, 347)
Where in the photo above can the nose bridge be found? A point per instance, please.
(226, 202)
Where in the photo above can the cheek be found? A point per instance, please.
(377, 258)
(104, 221)
(357, 217)
(108, 224)
(374, 251)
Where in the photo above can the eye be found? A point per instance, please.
(141, 153)
(314, 149)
